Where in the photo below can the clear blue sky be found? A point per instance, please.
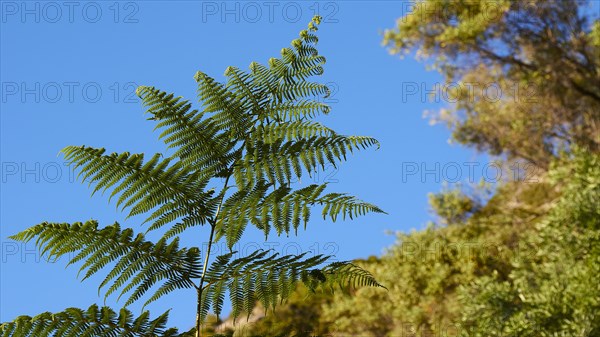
(68, 80)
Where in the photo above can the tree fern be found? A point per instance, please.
(94, 321)
(139, 264)
(233, 165)
(265, 277)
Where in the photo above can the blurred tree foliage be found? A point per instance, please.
(525, 261)
(552, 288)
(455, 204)
(524, 74)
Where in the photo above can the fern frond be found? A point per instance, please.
(238, 210)
(243, 85)
(138, 264)
(345, 275)
(171, 191)
(290, 131)
(283, 209)
(302, 60)
(268, 278)
(346, 205)
(198, 141)
(300, 201)
(228, 112)
(93, 322)
(304, 90)
(297, 110)
(277, 160)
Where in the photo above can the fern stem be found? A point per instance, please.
(199, 307)
(213, 226)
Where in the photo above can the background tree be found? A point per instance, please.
(233, 164)
(551, 289)
(525, 75)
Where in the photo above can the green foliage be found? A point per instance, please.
(266, 278)
(523, 75)
(94, 321)
(170, 191)
(282, 208)
(233, 164)
(456, 204)
(552, 289)
(139, 264)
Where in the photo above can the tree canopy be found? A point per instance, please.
(524, 75)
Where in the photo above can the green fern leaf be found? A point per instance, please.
(266, 277)
(138, 264)
(93, 322)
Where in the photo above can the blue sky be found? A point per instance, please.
(68, 73)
